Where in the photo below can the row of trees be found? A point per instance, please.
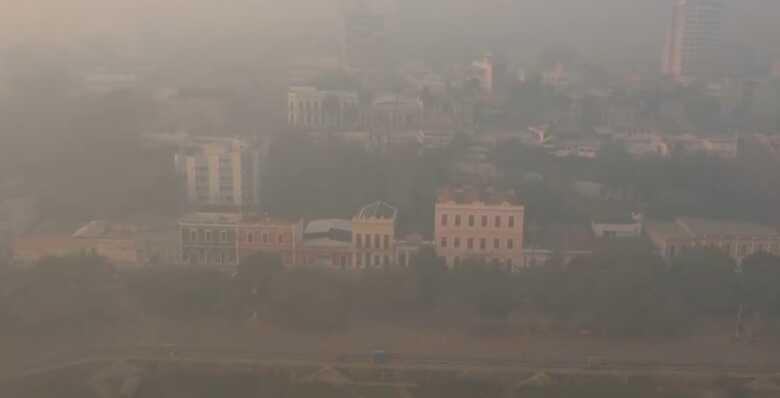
(625, 291)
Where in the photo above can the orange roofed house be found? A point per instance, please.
(479, 224)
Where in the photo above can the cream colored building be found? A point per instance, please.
(311, 108)
(221, 172)
(373, 236)
(480, 225)
(737, 240)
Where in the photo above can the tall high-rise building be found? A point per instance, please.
(692, 43)
(221, 172)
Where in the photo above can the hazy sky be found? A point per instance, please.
(583, 20)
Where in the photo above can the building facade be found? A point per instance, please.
(210, 239)
(479, 225)
(693, 39)
(327, 244)
(738, 240)
(373, 236)
(265, 234)
(314, 109)
(395, 113)
(222, 172)
(617, 227)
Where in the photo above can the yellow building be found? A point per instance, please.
(373, 236)
(483, 225)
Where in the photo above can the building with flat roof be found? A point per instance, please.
(617, 226)
(373, 236)
(210, 239)
(693, 39)
(310, 108)
(479, 224)
(327, 244)
(738, 240)
(222, 172)
(270, 235)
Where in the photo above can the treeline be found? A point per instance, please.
(624, 291)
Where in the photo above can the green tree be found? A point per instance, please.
(310, 299)
(74, 290)
(429, 270)
(706, 282)
(760, 279)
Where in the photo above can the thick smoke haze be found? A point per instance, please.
(596, 22)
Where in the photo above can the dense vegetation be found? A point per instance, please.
(625, 291)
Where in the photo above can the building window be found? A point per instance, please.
(483, 244)
(201, 235)
(457, 220)
(457, 261)
(184, 235)
(376, 241)
(194, 235)
(443, 242)
(510, 244)
(386, 242)
(223, 236)
(250, 237)
(281, 239)
(743, 249)
(231, 235)
(402, 259)
(387, 260)
(359, 241)
(359, 260)
(470, 243)
(496, 243)
(498, 222)
(376, 261)
(471, 221)
(343, 261)
(444, 220)
(208, 236)
(484, 221)
(457, 243)
(511, 221)
(265, 237)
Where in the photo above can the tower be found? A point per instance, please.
(693, 39)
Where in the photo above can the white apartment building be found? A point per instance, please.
(311, 108)
(481, 225)
(221, 172)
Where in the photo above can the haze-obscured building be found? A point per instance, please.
(313, 109)
(373, 236)
(327, 244)
(693, 40)
(738, 240)
(221, 172)
(479, 224)
(270, 235)
(210, 239)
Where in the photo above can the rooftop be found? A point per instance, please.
(377, 210)
(326, 243)
(211, 218)
(328, 225)
(704, 227)
(691, 228)
(266, 220)
(469, 195)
